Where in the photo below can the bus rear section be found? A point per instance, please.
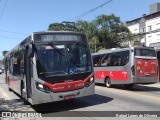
(126, 66)
(145, 66)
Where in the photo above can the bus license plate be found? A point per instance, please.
(69, 97)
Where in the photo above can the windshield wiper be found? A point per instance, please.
(56, 73)
(51, 44)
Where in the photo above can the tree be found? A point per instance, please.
(110, 31)
(89, 29)
(62, 26)
(4, 52)
(106, 31)
(55, 26)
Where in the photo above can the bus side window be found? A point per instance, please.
(21, 62)
(137, 52)
(16, 64)
(10, 65)
(116, 59)
(106, 60)
(113, 59)
(124, 58)
(96, 60)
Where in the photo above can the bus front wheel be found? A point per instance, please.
(108, 82)
(23, 94)
(9, 89)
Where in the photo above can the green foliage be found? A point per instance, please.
(89, 29)
(62, 26)
(110, 31)
(4, 52)
(55, 27)
(106, 31)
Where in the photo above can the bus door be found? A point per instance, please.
(28, 70)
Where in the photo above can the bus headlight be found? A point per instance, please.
(42, 87)
(90, 81)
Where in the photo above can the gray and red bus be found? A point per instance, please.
(126, 66)
(50, 66)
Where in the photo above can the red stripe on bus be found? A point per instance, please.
(67, 86)
(113, 75)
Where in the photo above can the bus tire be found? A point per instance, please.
(9, 89)
(108, 82)
(23, 94)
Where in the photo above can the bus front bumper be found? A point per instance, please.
(40, 97)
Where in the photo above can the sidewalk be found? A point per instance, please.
(3, 106)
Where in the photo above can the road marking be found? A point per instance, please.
(130, 93)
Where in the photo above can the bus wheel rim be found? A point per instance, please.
(108, 83)
(23, 93)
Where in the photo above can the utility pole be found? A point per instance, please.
(95, 49)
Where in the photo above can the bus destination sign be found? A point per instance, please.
(58, 37)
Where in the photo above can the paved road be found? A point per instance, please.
(140, 98)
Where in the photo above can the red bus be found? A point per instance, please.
(50, 66)
(126, 66)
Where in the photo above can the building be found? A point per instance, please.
(147, 27)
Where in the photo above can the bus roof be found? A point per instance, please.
(47, 32)
(118, 50)
(42, 32)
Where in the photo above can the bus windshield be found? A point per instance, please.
(144, 52)
(62, 59)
